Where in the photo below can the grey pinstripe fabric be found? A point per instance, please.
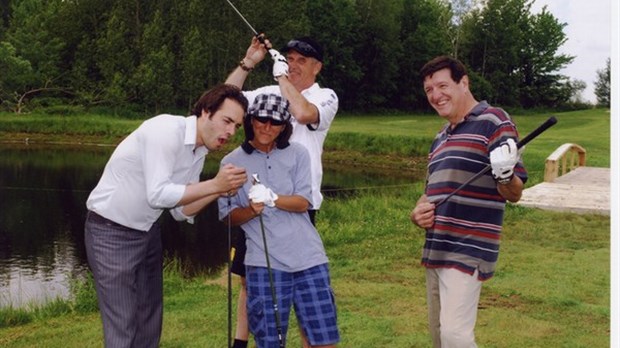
(127, 268)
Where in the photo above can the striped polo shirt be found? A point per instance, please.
(468, 226)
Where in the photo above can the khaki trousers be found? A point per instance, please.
(452, 298)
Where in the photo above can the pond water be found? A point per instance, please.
(43, 190)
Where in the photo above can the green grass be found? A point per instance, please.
(551, 289)
(411, 135)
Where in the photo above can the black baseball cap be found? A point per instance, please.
(306, 46)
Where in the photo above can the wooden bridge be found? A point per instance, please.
(569, 185)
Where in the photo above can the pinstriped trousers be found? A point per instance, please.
(127, 269)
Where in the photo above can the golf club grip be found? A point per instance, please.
(536, 132)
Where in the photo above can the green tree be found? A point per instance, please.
(16, 74)
(116, 53)
(602, 85)
(162, 54)
(336, 29)
(493, 38)
(32, 37)
(4, 16)
(379, 52)
(81, 24)
(154, 75)
(541, 83)
(425, 34)
(460, 9)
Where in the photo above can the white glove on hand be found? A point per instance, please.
(280, 66)
(261, 194)
(503, 160)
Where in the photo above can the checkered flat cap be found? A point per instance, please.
(270, 105)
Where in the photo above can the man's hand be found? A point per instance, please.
(503, 160)
(256, 52)
(230, 177)
(423, 215)
(261, 194)
(280, 66)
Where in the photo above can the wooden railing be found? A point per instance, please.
(564, 159)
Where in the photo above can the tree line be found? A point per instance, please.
(152, 55)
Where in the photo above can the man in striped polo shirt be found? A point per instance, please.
(462, 234)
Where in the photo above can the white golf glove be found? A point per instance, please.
(503, 160)
(261, 194)
(280, 66)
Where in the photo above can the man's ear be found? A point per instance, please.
(465, 81)
(317, 67)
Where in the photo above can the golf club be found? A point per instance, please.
(260, 38)
(272, 52)
(536, 132)
(271, 285)
(229, 274)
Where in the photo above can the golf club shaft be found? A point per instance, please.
(536, 132)
(271, 284)
(260, 38)
(229, 274)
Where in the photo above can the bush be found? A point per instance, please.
(10, 316)
(84, 295)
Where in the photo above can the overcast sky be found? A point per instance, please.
(588, 32)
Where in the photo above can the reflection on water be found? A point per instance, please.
(43, 191)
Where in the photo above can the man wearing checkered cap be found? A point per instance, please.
(277, 206)
(313, 109)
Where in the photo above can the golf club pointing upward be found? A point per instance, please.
(274, 53)
(246, 22)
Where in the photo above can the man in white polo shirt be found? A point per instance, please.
(313, 109)
(156, 167)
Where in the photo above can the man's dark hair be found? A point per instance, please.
(457, 69)
(212, 100)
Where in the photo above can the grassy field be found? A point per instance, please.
(551, 289)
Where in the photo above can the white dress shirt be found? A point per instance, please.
(148, 172)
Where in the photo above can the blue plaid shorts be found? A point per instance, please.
(310, 293)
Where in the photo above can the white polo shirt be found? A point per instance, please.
(311, 136)
(148, 172)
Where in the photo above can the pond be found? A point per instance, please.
(43, 190)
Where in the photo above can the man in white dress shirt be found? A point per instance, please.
(156, 167)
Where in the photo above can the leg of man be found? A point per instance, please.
(302, 334)
(114, 253)
(150, 290)
(242, 332)
(434, 306)
(459, 294)
(315, 306)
